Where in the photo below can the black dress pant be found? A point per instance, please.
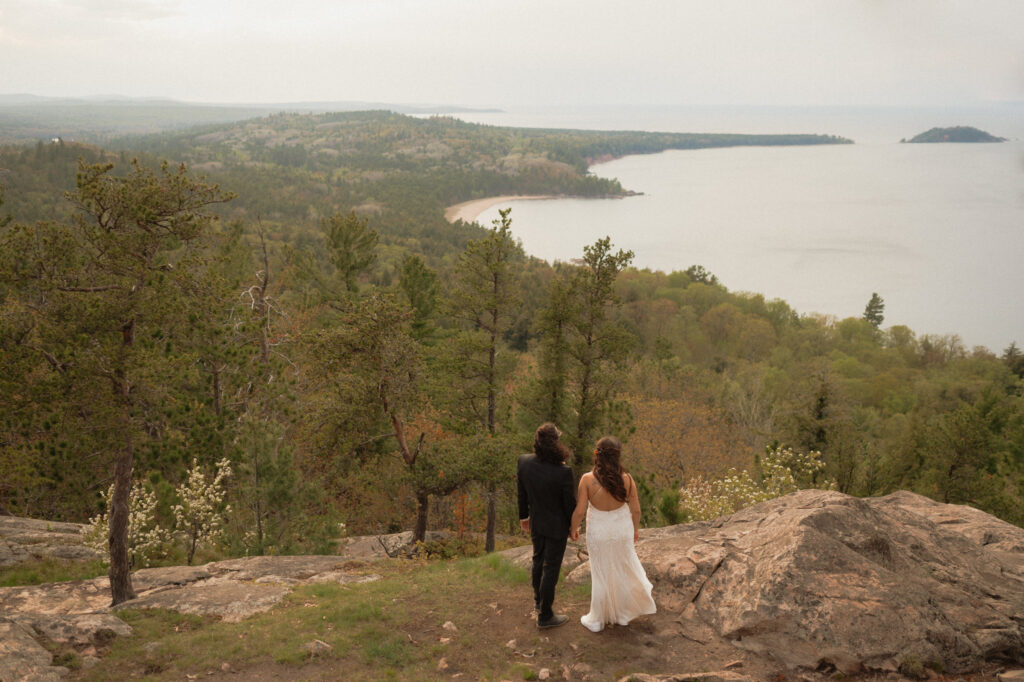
(547, 562)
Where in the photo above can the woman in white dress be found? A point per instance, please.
(620, 590)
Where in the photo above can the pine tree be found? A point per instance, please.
(582, 350)
(366, 370)
(419, 285)
(110, 294)
(350, 247)
(873, 311)
(483, 300)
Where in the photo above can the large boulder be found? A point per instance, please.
(819, 579)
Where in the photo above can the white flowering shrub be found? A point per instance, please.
(200, 516)
(146, 539)
(783, 471)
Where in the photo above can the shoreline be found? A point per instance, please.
(468, 211)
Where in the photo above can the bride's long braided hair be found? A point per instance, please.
(607, 469)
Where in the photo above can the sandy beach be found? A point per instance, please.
(469, 210)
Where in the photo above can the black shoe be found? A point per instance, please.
(553, 622)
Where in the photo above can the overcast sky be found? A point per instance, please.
(519, 52)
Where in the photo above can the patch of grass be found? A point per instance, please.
(51, 571)
(495, 567)
(151, 623)
(527, 673)
(321, 590)
(384, 647)
(55, 570)
(63, 654)
(913, 667)
(359, 612)
(386, 629)
(68, 659)
(579, 591)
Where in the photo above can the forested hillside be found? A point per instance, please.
(314, 320)
(291, 170)
(27, 118)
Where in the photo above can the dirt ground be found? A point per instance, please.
(506, 631)
(496, 638)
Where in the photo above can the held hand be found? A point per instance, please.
(525, 525)
(574, 534)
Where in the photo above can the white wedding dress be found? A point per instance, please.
(620, 590)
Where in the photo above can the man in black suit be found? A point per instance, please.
(547, 497)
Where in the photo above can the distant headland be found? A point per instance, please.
(955, 134)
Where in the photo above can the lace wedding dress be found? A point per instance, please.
(620, 590)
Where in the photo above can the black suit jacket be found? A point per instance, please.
(547, 496)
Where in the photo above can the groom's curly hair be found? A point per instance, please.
(547, 447)
(607, 468)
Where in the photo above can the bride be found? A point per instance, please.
(620, 590)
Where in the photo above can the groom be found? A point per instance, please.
(547, 498)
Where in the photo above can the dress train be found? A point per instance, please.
(620, 590)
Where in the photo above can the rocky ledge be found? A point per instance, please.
(820, 580)
(816, 580)
(78, 612)
(23, 540)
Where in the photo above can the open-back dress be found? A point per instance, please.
(620, 590)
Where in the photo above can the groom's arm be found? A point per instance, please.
(568, 493)
(524, 500)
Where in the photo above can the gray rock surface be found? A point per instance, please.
(819, 579)
(75, 628)
(372, 547)
(722, 676)
(815, 580)
(1011, 676)
(77, 613)
(23, 658)
(23, 540)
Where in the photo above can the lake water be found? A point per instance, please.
(936, 230)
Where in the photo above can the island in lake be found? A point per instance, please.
(955, 134)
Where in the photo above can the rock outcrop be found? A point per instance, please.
(231, 589)
(23, 540)
(814, 580)
(818, 579)
(76, 612)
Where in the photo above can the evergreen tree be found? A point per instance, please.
(111, 293)
(483, 300)
(550, 392)
(367, 370)
(419, 285)
(259, 376)
(350, 247)
(697, 273)
(1014, 359)
(873, 311)
(579, 361)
